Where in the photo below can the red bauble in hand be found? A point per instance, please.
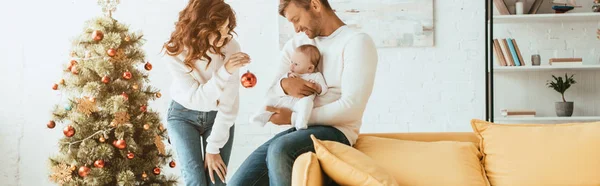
(248, 79)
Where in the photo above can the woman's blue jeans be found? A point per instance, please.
(188, 131)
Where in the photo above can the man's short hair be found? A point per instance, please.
(313, 53)
(300, 3)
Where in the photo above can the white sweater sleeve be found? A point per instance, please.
(189, 87)
(227, 110)
(226, 115)
(360, 63)
(321, 82)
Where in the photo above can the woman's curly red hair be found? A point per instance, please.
(199, 20)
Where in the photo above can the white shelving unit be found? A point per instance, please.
(513, 75)
(544, 68)
(544, 119)
(536, 18)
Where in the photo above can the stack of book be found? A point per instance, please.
(508, 53)
(517, 113)
(566, 61)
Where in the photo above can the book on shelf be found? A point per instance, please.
(566, 61)
(508, 52)
(517, 113)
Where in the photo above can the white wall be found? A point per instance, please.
(417, 89)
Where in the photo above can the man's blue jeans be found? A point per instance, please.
(188, 130)
(271, 163)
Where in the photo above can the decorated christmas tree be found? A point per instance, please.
(111, 136)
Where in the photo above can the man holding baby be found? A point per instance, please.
(348, 65)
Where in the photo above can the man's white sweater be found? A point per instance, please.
(349, 65)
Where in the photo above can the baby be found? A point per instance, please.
(304, 62)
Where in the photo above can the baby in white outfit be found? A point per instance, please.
(304, 62)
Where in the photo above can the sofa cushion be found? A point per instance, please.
(348, 166)
(540, 154)
(416, 163)
(307, 170)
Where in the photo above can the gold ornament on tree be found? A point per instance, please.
(61, 174)
(86, 105)
(159, 145)
(121, 118)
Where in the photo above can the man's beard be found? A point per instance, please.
(314, 27)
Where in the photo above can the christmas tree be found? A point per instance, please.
(111, 136)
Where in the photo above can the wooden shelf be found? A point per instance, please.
(539, 118)
(544, 68)
(536, 18)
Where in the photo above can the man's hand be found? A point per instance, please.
(318, 86)
(281, 116)
(298, 87)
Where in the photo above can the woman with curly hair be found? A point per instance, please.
(204, 60)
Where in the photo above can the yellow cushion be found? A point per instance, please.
(307, 171)
(416, 163)
(540, 154)
(348, 166)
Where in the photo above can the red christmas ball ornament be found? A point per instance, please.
(71, 64)
(97, 35)
(143, 108)
(248, 80)
(172, 164)
(55, 86)
(148, 66)
(130, 155)
(84, 171)
(120, 144)
(99, 163)
(74, 70)
(69, 131)
(156, 171)
(51, 124)
(111, 52)
(125, 96)
(105, 79)
(127, 75)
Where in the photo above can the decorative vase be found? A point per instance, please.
(535, 60)
(564, 109)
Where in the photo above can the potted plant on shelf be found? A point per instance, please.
(564, 108)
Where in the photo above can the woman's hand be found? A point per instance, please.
(214, 162)
(236, 61)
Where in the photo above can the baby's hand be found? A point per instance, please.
(292, 75)
(312, 81)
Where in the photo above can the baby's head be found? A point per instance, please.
(305, 59)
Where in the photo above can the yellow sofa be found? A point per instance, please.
(493, 154)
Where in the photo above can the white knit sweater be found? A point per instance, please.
(200, 88)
